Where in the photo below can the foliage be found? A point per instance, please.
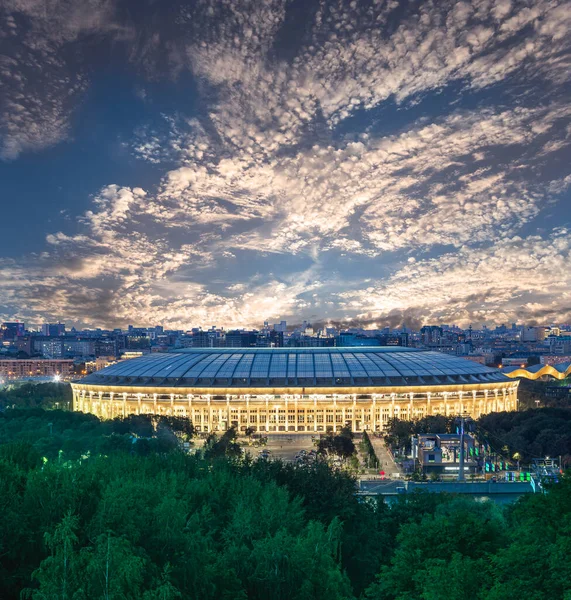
(105, 519)
(369, 451)
(398, 432)
(225, 446)
(340, 445)
(31, 395)
(532, 433)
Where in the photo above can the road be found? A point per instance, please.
(388, 465)
(380, 487)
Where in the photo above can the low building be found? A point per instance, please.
(101, 362)
(30, 368)
(440, 453)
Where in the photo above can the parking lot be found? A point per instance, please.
(284, 447)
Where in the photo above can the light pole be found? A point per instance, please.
(461, 460)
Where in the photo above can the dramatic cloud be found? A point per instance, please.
(357, 163)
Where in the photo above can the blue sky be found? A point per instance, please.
(224, 163)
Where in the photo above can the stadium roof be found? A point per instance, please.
(295, 367)
(558, 371)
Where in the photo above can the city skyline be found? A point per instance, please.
(364, 164)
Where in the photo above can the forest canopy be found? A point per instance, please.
(116, 509)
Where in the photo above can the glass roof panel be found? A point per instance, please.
(340, 369)
(278, 367)
(164, 369)
(355, 367)
(291, 365)
(212, 368)
(371, 367)
(182, 367)
(242, 370)
(145, 365)
(196, 369)
(260, 366)
(305, 365)
(323, 366)
(228, 368)
(127, 365)
(385, 365)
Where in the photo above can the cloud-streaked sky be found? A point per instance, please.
(231, 161)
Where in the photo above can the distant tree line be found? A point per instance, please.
(31, 395)
(115, 510)
(529, 434)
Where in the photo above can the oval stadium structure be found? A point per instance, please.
(295, 389)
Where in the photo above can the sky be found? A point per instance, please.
(365, 163)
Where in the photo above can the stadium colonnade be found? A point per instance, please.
(295, 389)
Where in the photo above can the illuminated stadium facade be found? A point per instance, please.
(295, 389)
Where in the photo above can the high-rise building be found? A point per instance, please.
(10, 331)
(281, 327)
(53, 329)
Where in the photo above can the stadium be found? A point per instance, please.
(295, 389)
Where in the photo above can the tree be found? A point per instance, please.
(460, 531)
(225, 446)
(59, 575)
(341, 445)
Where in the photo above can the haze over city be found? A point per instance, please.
(361, 163)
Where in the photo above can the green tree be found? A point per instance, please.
(459, 530)
(59, 574)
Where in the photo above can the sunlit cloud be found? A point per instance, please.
(291, 179)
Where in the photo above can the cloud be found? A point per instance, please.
(517, 279)
(41, 82)
(291, 180)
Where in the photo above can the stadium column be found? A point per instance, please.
(228, 419)
(374, 415)
(100, 404)
(296, 397)
(124, 404)
(139, 396)
(445, 396)
(354, 428)
(473, 413)
(155, 404)
(110, 413)
(90, 404)
(428, 408)
(411, 405)
(267, 413)
(495, 400)
(172, 405)
(190, 415)
(258, 418)
(393, 395)
(334, 413)
(247, 397)
(209, 426)
(314, 413)
(286, 412)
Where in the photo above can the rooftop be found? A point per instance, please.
(301, 367)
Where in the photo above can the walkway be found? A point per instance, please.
(386, 461)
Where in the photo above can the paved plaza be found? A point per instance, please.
(284, 447)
